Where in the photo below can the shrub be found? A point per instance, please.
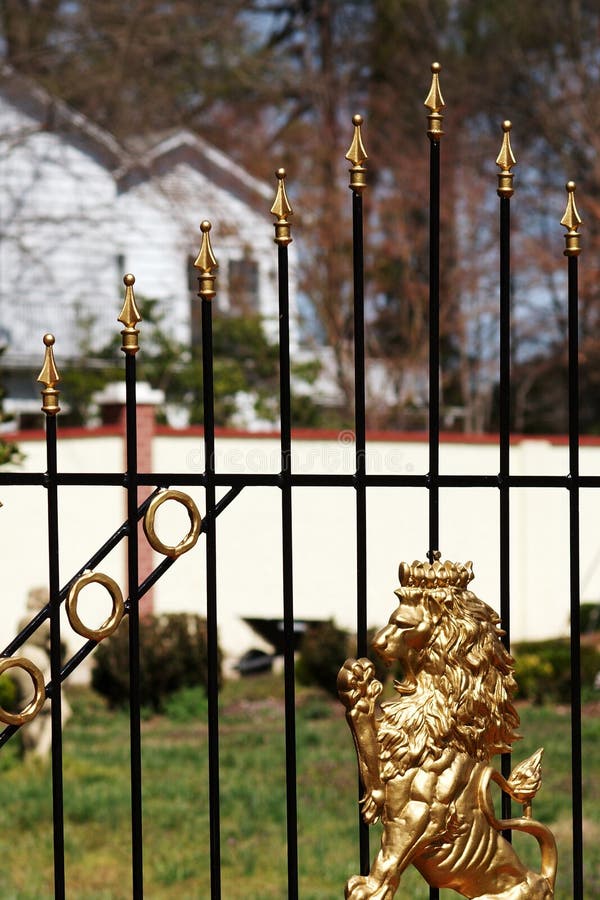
(323, 650)
(173, 655)
(589, 617)
(543, 669)
(8, 693)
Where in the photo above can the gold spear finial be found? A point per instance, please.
(130, 316)
(506, 161)
(49, 377)
(206, 262)
(571, 220)
(282, 209)
(357, 156)
(435, 103)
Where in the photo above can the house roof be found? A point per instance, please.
(141, 157)
(56, 116)
(156, 152)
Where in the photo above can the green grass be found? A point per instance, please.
(253, 819)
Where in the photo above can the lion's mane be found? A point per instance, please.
(462, 691)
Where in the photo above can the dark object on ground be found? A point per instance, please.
(254, 661)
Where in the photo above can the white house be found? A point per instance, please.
(78, 210)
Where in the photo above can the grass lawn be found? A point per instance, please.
(253, 826)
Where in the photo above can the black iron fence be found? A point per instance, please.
(211, 480)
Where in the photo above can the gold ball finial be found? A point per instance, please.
(435, 104)
(205, 262)
(282, 210)
(49, 377)
(571, 220)
(506, 160)
(129, 280)
(357, 155)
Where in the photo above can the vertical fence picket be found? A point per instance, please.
(130, 317)
(49, 377)
(435, 104)
(205, 263)
(282, 210)
(572, 221)
(505, 191)
(357, 156)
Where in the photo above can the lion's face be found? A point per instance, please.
(410, 626)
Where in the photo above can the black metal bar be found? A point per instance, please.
(287, 566)
(137, 863)
(434, 347)
(360, 462)
(91, 564)
(433, 483)
(211, 603)
(55, 662)
(575, 587)
(87, 648)
(504, 424)
(255, 479)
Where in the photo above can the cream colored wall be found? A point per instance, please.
(87, 517)
(249, 531)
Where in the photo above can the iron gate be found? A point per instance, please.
(430, 482)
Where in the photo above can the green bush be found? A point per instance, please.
(543, 669)
(8, 693)
(173, 655)
(323, 650)
(589, 617)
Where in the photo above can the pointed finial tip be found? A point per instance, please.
(357, 119)
(129, 280)
(436, 67)
(506, 125)
(205, 226)
(570, 186)
(280, 173)
(49, 340)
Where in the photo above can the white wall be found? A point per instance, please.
(249, 538)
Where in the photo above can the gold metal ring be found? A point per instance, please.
(118, 607)
(195, 523)
(30, 711)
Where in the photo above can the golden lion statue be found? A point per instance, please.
(424, 761)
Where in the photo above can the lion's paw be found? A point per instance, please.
(356, 888)
(356, 683)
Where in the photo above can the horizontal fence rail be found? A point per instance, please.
(286, 480)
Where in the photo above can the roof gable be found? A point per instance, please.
(55, 116)
(159, 154)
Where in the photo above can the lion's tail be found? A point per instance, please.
(543, 835)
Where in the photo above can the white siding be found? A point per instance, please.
(159, 230)
(57, 262)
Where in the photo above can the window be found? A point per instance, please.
(195, 304)
(243, 285)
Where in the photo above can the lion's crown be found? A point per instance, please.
(436, 574)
